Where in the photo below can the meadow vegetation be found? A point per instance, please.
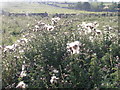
(38, 8)
(36, 56)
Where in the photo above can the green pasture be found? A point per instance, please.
(62, 5)
(38, 8)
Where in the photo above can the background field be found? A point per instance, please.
(14, 26)
(38, 8)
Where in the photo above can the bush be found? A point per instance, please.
(45, 56)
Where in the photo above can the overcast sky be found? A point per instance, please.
(58, 0)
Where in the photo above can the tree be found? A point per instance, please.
(86, 6)
(95, 7)
(113, 6)
(101, 6)
(78, 5)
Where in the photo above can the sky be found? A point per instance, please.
(58, 0)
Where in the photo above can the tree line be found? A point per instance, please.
(95, 6)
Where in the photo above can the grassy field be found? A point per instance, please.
(38, 8)
(14, 26)
(62, 5)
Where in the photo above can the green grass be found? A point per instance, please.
(38, 8)
(14, 27)
(63, 5)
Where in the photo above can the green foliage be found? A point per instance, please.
(86, 6)
(96, 66)
(114, 6)
(96, 6)
(78, 5)
(101, 6)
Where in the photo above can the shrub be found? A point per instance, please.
(45, 57)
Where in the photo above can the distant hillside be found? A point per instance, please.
(37, 8)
